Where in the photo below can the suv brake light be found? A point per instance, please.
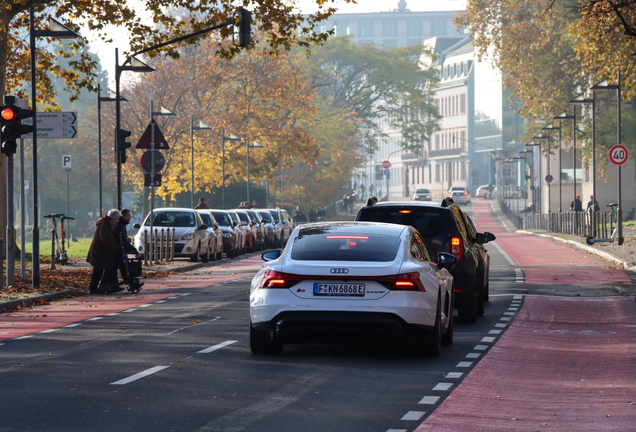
(457, 248)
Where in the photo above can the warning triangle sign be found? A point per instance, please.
(160, 141)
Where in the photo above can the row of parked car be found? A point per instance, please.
(206, 234)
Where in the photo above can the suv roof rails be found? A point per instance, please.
(372, 201)
(447, 202)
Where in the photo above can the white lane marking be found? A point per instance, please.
(505, 254)
(473, 355)
(94, 319)
(518, 297)
(464, 364)
(73, 325)
(443, 386)
(513, 309)
(50, 330)
(2, 343)
(488, 339)
(129, 310)
(413, 415)
(113, 314)
(172, 298)
(23, 337)
(429, 400)
(500, 325)
(481, 347)
(516, 302)
(216, 347)
(160, 301)
(397, 430)
(494, 332)
(135, 377)
(454, 374)
(519, 281)
(185, 294)
(509, 313)
(505, 319)
(146, 305)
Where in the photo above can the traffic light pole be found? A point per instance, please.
(10, 224)
(35, 254)
(117, 126)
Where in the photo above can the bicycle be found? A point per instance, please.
(591, 240)
(58, 256)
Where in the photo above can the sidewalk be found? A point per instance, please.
(20, 324)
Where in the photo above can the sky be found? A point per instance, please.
(106, 51)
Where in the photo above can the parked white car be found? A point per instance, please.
(191, 234)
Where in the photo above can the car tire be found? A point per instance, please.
(429, 344)
(467, 309)
(264, 343)
(195, 257)
(206, 257)
(447, 337)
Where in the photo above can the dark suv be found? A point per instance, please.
(444, 229)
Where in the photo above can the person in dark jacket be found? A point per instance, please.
(577, 204)
(104, 252)
(312, 215)
(592, 204)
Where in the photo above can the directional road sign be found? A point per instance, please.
(147, 158)
(58, 118)
(56, 132)
(618, 155)
(160, 141)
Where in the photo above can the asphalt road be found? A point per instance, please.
(184, 365)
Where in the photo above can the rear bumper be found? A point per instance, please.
(331, 326)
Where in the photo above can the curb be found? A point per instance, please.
(35, 299)
(626, 264)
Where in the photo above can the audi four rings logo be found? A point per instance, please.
(339, 271)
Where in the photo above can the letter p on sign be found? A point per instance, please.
(66, 161)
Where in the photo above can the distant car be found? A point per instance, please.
(461, 197)
(273, 231)
(482, 191)
(216, 234)
(443, 229)
(258, 225)
(191, 234)
(347, 281)
(281, 217)
(422, 195)
(455, 189)
(246, 223)
(231, 235)
(242, 232)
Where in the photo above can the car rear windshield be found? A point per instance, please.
(172, 219)
(344, 247)
(206, 219)
(222, 218)
(266, 215)
(274, 214)
(429, 221)
(243, 217)
(458, 193)
(422, 191)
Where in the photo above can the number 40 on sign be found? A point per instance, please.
(618, 155)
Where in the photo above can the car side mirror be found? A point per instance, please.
(136, 226)
(491, 236)
(481, 239)
(271, 255)
(445, 260)
(203, 227)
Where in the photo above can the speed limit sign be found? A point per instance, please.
(618, 155)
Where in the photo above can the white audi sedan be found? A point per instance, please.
(343, 281)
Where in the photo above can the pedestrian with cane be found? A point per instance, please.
(104, 253)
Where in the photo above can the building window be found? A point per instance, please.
(414, 27)
(463, 171)
(462, 104)
(462, 136)
(437, 173)
(389, 28)
(342, 28)
(365, 28)
(437, 142)
(438, 27)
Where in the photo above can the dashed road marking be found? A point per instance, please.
(23, 337)
(429, 400)
(73, 325)
(140, 375)
(488, 339)
(518, 297)
(50, 330)
(500, 325)
(185, 294)
(216, 347)
(509, 313)
(145, 305)
(95, 319)
(464, 364)
(172, 298)
(443, 386)
(413, 415)
(113, 314)
(495, 332)
(473, 355)
(481, 347)
(397, 430)
(504, 319)
(454, 375)
(161, 301)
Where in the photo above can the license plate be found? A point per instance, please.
(331, 289)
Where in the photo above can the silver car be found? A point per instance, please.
(422, 194)
(216, 234)
(242, 231)
(191, 237)
(272, 229)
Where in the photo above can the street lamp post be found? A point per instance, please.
(582, 100)
(255, 144)
(232, 137)
(202, 126)
(56, 30)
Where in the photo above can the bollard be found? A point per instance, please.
(172, 246)
(146, 248)
(52, 249)
(156, 247)
(167, 244)
(162, 251)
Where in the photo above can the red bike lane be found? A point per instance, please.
(564, 364)
(22, 323)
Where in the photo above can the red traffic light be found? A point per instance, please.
(8, 114)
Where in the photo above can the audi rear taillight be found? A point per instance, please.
(456, 247)
(274, 279)
(402, 282)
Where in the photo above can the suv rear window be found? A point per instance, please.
(344, 247)
(428, 221)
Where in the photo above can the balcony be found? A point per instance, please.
(445, 153)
